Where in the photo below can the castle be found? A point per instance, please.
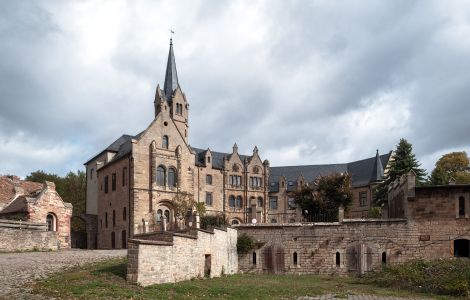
(131, 183)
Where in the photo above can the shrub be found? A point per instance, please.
(443, 276)
(245, 243)
(374, 212)
(214, 221)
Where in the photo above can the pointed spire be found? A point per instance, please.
(378, 171)
(235, 148)
(171, 77)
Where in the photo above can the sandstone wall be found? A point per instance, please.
(21, 236)
(183, 258)
(360, 244)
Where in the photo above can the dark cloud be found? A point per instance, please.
(308, 82)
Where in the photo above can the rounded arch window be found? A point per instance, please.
(239, 201)
(338, 259)
(161, 176)
(167, 215)
(172, 177)
(231, 201)
(165, 142)
(235, 222)
(51, 222)
(159, 215)
(295, 259)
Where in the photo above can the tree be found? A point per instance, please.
(402, 162)
(451, 166)
(326, 194)
(183, 202)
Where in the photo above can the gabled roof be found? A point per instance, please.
(217, 158)
(122, 146)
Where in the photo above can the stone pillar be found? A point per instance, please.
(164, 223)
(341, 214)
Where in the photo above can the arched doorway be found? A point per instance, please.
(78, 233)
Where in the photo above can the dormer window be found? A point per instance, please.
(165, 142)
(179, 109)
(208, 159)
(290, 183)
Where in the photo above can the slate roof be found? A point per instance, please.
(362, 171)
(171, 76)
(217, 158)
(122, 146)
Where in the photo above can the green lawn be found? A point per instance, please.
(106, 280)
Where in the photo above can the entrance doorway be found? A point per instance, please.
(273, 257)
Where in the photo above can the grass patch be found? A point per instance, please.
(107, 280)
(443, 276)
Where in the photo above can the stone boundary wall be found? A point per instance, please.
(22, 236)
(311, 248)
(184, 257)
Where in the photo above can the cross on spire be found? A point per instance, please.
(171, 76)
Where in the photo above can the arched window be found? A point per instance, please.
(165, 142)
(239, 201)
(235, 222)
(254, 258)
(159, 215)
(231, 201)
(167, 216)
(260, 202)
(51, 222)
(161, 175)
(338, 259)
(294, 258)
(172, 177)
(384, 258)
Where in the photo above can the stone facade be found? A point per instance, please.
(23, 236)
(169, 258)
(41, 206)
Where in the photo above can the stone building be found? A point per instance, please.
(132, 182)
(36, 203)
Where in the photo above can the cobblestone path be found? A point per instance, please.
(18, 269)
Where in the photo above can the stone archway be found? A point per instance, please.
(78, 233)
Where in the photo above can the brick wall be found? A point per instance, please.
(162, 261)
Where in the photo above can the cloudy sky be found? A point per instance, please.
(308, 82)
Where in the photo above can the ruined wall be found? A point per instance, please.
(182, 258)
(21, 236)
(360, 244)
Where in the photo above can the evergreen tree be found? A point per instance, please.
(404, 160)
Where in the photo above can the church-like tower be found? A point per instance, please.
(172, 98)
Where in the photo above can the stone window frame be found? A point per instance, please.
(51, 221)
(260, 202)
(161, 181)
(209, 179)
(291, 203)
(295, 259)
(124, 176)
(231, 201)
(106, 184)
(113, 181)
(165, 142)
(273, 200)
(209, 199)
(462, 207)
(239, 202)
(363, 198)
(172, 181)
